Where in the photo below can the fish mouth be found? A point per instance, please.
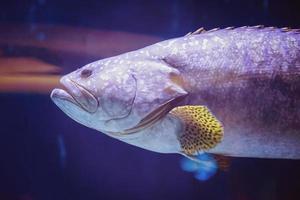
(76, 94)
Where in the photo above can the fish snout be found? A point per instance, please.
(81, 95)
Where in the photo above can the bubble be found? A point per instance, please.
(189, 165)
(203, 169)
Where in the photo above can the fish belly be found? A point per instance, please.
(161, 137)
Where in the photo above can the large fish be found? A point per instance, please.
(232, 91)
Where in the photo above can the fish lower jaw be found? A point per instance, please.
(58, 95)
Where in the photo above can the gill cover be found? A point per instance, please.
(160, 88)
(119, 98)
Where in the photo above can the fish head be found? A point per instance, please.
(115, 96)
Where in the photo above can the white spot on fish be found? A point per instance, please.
(204, 44)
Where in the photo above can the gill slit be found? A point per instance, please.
(86, 90)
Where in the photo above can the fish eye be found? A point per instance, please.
(86, 73)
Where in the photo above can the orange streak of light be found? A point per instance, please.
(42, 84)
(75, 40)
(18, 65)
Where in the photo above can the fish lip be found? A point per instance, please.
(62, 94)
(76, 94)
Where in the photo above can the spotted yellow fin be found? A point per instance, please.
(202, 131)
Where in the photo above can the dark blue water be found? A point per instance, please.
(45, 155)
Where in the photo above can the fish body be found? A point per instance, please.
(248, 78)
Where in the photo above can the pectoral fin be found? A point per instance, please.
(150, 119)
(202, 131)
(223, 162)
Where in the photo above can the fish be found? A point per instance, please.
(231, 92)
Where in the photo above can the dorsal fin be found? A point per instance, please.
(259, 26)
(198, 31)
(271, 28)
(229, 28)
(295, 30)
(284, 29)
(213, 30)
